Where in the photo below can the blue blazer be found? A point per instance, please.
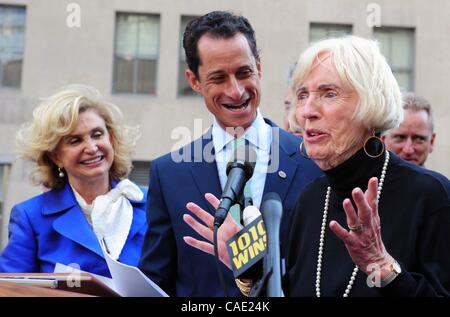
(51, 228)
(178, 268)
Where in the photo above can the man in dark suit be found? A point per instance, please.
(225, 68)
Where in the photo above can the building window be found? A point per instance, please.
(320, 31)
(12, 35)
(140, 173)
(397, 46)
(136, 53)
(184, 89)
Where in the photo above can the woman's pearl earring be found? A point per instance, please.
(61, 174)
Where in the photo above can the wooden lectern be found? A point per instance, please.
(52, 284)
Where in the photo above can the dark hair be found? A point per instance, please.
(218, 24)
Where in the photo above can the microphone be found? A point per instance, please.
(249, 214)
(272, 210)
(239, 171)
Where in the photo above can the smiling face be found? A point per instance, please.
(228, 80)
(86, 154)
(325, 111)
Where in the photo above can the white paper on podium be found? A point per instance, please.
(127, 281)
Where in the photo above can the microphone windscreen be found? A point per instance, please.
(271, 208)
(245, 155)
(249, 214)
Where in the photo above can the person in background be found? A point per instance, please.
(289, 111)
(83, 155)
(414, 139)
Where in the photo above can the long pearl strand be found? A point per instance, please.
(323, 228)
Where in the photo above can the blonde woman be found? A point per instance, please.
(82, 153)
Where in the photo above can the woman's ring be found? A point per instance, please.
(357, 229)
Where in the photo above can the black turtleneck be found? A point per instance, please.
(414, 209)
(356, 171)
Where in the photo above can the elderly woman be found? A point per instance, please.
(82, 153)
(373, 225)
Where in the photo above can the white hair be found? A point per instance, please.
(359, 64)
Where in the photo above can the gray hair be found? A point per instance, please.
(413, 102)
(359, 64)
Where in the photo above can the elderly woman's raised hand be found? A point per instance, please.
(363, 241)
(228, 229)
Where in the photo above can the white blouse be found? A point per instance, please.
(110, 215)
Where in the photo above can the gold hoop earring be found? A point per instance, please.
(61, 173)
(377, 138)
(305, 155)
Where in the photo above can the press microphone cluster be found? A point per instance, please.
(239, 170)
(255, 250)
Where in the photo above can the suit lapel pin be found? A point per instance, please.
(282, 174)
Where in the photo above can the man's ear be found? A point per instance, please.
(433, 136)
(258, 66)
(193, 81)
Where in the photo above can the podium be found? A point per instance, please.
(52, 285)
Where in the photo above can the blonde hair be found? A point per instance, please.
(360, 65)
(57, 117)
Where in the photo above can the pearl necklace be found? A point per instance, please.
(322, 233)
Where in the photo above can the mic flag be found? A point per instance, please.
(248, 246)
